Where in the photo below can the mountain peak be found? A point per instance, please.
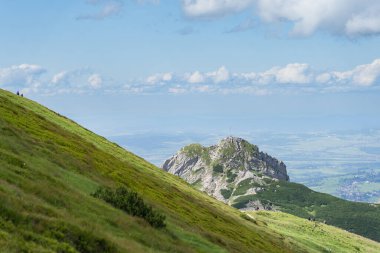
(229, 169)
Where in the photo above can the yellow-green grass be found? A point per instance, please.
(49, 166)
(312, 236)
(360, 218)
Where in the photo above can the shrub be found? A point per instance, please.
(226, 193)
(217, 168)
(131, 203)
(231, 176)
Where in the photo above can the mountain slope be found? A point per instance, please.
(230, 169)
(251, 180)
(49, 166)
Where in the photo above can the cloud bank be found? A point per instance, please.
(352, 18)
(290, 78)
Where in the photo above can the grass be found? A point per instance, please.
(312, 236)
(296, 199)
(50, 166)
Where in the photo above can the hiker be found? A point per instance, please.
(22, 95)
(18, 93)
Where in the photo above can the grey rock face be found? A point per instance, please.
(231, 169)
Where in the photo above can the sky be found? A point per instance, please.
(211, 66)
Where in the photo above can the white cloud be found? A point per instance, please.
(293, 73)
(95, 81)
(364, 24)
(288, 79)
(213, 8)
(323, 78)
(23, 76)
(59, 77)
(220, 75)
(195, 77)
(159, 78)
(167, 76)
(362, 75)
(367, 75)
(75, 81)
(349, 17)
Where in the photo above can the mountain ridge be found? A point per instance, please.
(224, 170)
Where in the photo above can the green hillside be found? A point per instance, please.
(50, 167)
(297, 199)
(310, 236)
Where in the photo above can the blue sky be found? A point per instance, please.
(224, 66)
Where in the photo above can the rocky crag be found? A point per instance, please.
(231, 169)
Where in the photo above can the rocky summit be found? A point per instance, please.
(231, 169)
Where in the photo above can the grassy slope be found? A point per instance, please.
(297, 199)
(312, 236)
(48, 167)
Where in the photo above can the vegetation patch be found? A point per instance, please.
(250, 148)
(228, 151)
(197, 184)
(231, 176)
(226, 193)
(268, 180)
(303, 202)
(199, 170)
(131, 203)
(242, 201)
(197, 150)
(244, 186)
(217, 168)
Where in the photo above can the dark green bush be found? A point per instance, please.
(131, 203)
(231, 176)
(226, 193)
(218, 168)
